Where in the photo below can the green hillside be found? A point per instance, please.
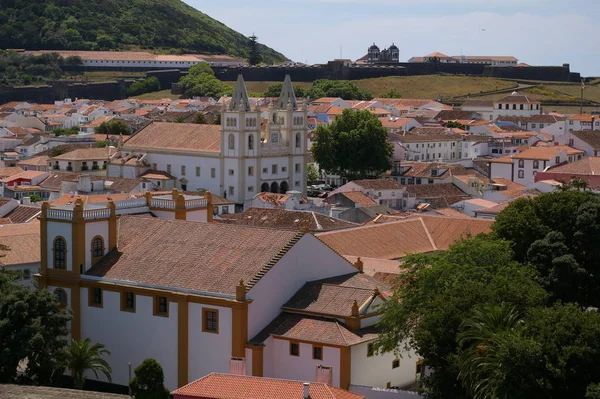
(159, 25)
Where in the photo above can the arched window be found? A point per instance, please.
(97, 247)
(62, 296)
(264, 188)
(251, 142)
(536, 164)
(231, 141)
(297, 140)
(60, 253)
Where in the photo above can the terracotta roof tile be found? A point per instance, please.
(591, 137)
(417, 234)
(323, 330)
(358, 197)
(23, 214)
(379, 184)
(84, 154)
(471, 102)
(193, 256)
(177, 136)
(10, 171)
(23, 241)
(516, 98)
(228, 386)
(585, 166)
(371, 266)
(33, 392)
(285, 219)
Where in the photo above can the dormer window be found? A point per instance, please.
(434, 172)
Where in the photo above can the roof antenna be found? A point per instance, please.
(341, 52)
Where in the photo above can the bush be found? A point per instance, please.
(148, 85)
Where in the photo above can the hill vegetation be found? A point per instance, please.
(160, 25)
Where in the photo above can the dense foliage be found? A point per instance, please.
(117, 24)
(115, 127)
(33, 325)
(148, 382)
(354, 145)
(16, 69)
(201, 82)
(148, 85)
(558, 233)
(510, 315)
(65, 131)
(391, 93)
(324, 88)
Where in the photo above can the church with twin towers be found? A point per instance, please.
(256, 149)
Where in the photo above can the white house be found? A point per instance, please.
(383, 191)
(516, 105)
(195, 295)
(483, 107)
(237, 159)
(586, 140)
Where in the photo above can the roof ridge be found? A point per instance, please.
(337, 323)
(428, 234)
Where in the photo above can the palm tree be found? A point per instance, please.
(82, 356)
(482, 336)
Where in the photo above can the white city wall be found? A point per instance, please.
(308, 260)
(278, 363)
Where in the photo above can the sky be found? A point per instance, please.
(537, 32)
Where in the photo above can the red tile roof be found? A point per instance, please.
(203, 257)
(379, 184)
(228, 386)
(358, 197)
(177, 136)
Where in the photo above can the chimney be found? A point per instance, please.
(26, 200)
(325, 374)
(306, 390)
(359, 264)
(237, 366)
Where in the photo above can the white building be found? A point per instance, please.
(23, 255)
(516, 105)
(195, 295)
(237, 159)
(127, 59)
(483, 107)
(383, 191)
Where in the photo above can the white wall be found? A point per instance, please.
(278, 363)
(376, 371)
(33, 269)
(501, 170)
(92, 230)
(197, 216)
(132, 337)
(63, 230)
(308, 260)
(208, 352)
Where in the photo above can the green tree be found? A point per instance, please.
(200, 119)
(81, 356)
(148, 382)
(454, 124)
(353, 145)
(65, 131)
(254, 57)
(35, 198)
(58, 150)
(439, 291)
(344, 89)
(33, 326)
(217, 120)
(115, 127)
(201, 82)
(557, 233)
(312, 173)
(148, 85)
(391, 93)
(105, 42)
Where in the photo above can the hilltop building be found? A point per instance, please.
(493, 60)
(386, 56)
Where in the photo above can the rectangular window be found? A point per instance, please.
(265, 170)
(169, 169)
(198, 171)
(533, 125)
(557, 159)
(284, 169)
(95, 297)
(317, 352)
(128, 301)
(231, 192)
(250, 189)
(250, 170)
(395, 363)
(571, 142)
(297, 168)
(182, 170)
(521, 174)
(231, 172)
(297, 184)
(274, 169)
(370, 349)
(161, 306)
(294, 349)
(213, 173)
(210, 320)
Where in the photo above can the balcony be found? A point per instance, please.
(69, 168)
(95, 167)
(56, 167)
(85, 167)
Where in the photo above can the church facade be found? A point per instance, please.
(252, 151)
(385, 56)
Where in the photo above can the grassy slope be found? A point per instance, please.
(427, 86)
(132, 24)
(158, 95)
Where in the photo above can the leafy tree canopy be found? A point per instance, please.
(65, 131)
(33, 325)
(16, 69)
(114, 24)
(438, 291)
(312, 173)
(353, 145)
(391, 93)
(148, 382)
(558, 233)
(201, 82)
(114, 126)
(148, 85)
